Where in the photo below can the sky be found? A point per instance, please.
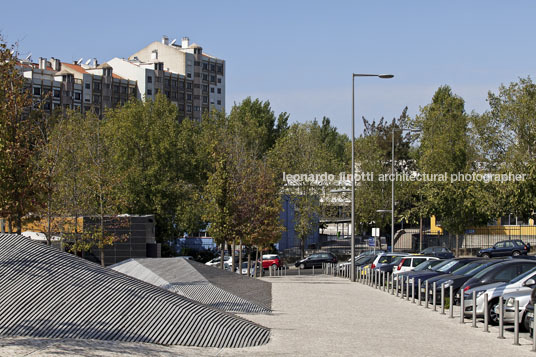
(300, 55)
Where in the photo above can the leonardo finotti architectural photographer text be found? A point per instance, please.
(327, 178)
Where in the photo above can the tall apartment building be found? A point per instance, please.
(152, 79)
(206, 72)
(55, 84)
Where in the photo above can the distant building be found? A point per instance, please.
(55, 84)
(207, 72)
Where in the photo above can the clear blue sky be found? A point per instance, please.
(300, 54)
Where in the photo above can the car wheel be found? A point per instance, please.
(486, 255)
(302, 266)
(525, 323)
(516, 253)
(493, 317)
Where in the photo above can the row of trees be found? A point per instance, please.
(226, 172)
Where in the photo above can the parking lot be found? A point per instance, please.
(317, 316)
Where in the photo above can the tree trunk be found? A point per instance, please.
(256, 259)
(261, 267)
(420, 234)
(222, 255)
(240, 256)
(302, 248)
(9, 226)
(249, 263)
(457, 246)
(232, 256)
(102, 256)
(49, 224)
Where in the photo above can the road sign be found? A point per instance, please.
(372, 242)
(375, 232)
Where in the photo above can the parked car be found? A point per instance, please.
(410, 262)
(509, 308)
(227, 260)
(524, 281)
(269, 260)
(440, 252)
(244, 268)
(505, 248)
(385, 258)
(502, 272)
(316, 260)
(459, 276)
(360, 262)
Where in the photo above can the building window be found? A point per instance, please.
(37, 90)
(149, 92)
(188, 96)
(174, 83)
(77, 95)
(213, 78)
(149, 79)
(205, 66)
(189, 108)
(88, 85)
(56, 93)
(219, 102)
(181, 85)
(197, 63)
(116, 89)
(212, 90)
(220, 68)
(219, 80)
(205, 77)
(205, 99)
(212, 67)
(219, 90)
(124, 90)
(205, 88)
(189, 85)
(188, 75)
(196, 108)
(96, 86)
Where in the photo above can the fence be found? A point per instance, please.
(478, 238)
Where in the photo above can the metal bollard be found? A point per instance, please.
(426, 294)
(397, 279)
(419, 292)
(462, 306)
(434, 296)
(413, 291)
(533, 337)
(407, 289)
(299, 270)
(442, 299)
(392, 284)
(402, 285)
(516, 322)
(384, 282)
(501, 318)
(486, 313)
(474, 309)
(313, 270)
(451, 302)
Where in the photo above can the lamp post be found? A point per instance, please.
(352, 236)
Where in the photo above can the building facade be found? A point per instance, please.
(206, 72)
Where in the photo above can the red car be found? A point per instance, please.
(269, 260)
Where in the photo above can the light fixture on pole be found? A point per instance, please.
(352, 236)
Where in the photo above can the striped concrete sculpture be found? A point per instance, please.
(52, 294)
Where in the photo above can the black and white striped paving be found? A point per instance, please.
(181, 276)
(52, 294)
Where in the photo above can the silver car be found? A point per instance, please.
(509, 308)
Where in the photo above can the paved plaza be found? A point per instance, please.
(318, 316)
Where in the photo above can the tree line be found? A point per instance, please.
(225, 173)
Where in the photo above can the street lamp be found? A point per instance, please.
(393, 180)
(352, 236)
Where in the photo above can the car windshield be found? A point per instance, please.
(442, 264)
(423, 266)
(396, 260)
(523, 276)
(478, 268)
(446, 267)
(468, 267)
(484, 271)
(365, 259)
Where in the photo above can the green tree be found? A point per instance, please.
(445, 148)
(20, 179)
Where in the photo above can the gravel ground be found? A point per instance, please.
(319, 316)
